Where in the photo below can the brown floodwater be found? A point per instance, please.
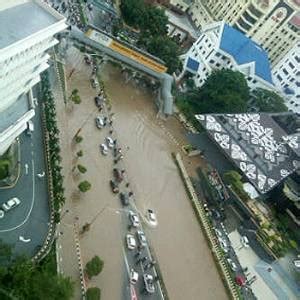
(185, 260)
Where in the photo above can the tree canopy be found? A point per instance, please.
(267, 101)
(94, 266)
(225, 91)
(84, 186)
(93, 293)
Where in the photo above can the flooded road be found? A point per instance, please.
(184, 257)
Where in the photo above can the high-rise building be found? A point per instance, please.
(27, 29)
(286, 75)
(274, 24)
(220, 46)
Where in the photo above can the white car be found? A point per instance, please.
(297, 263)
(232, 265)
(134, 276)
(245, 241)
(109, 142)
(151, 216)
(134, 219)
(131, 242)
(11, 203)
(1, 214)
(223, 245)
(142, 238)
(218, 232)
(30, 127)
(99, 122)
(104, 149)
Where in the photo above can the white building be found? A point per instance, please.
(274, 24)
(27, 29)
(221, 46)
(286, 75)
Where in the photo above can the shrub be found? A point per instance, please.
(82, 169)
(94, 267)
(93, 293)
(84, 186)
(78, 139)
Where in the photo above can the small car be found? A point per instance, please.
(114, 187)
(131, 242)
(1, 214)
(124, 199)
(151, 216)
(149, 283)
(134, 219)
(118, 174)
(223, 245)
(99, 122)
(218, 233)
(99, 101)
(109, 142)
(245, 241)
(134, 276)
(94, 83)
(11, 203)
(231, 264)
(141, 238)
(104, 149)
(30, 128)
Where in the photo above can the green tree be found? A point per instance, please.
(82, 169)
(94, 266)
(133, 12)
(234, 179)
(78, 139)
(167, 50)
(267, 101)
(155, 21)
(79, 153)
(93, 293)
(84, 186)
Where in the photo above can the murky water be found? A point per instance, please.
(185, 260)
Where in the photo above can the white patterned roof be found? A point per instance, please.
(256, 143)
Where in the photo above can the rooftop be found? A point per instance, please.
(257, 144)
(245, 51)
(20, 21)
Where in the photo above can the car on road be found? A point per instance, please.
(1, 214)
(134, 219)
(11, 203)
(109, 142)
(104, 149)
(99, 101)
(130, 241)
(118, 174)
(124, 199)
(218, 232)
(297, 263)
(141, 238)
(30, 127)
(99, 122)
(94, 83)
(245, 241)
(114, 186)
(134, 276)
(231, 264)
(149, 283)
(87, 60)
(151, 216)
(223, 245)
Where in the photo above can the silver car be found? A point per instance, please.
(11, 203)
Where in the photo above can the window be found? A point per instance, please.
(217, 65)
(291, 65)
(218, 54)
(211, 61)
(298, 84)
(297, 59)
(285, 71)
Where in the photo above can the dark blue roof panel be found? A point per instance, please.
(192, 65)
(244, 50)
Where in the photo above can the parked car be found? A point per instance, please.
(87, 60)
(297, 263)
(151, 216)
(104, 149)
(231, 264)
(94, 83)
(118, 174)
(245, 241)
(141, 238)
(99, 122)
(30, 127)
(114, 187)
(223, 245)
(11, 203)
(1, 214)
(134, 276)
(99, 101)
(134, 219)
(149, 284)
(124, 199)
(218, 233)
(130, 240)
(109, 141)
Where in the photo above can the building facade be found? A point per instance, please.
(286, 75)
(274, 24)
(27, 29)
(221, 46)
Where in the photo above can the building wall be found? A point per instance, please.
(210, 57)
(286, 74)
(181, 4)
(269, 23)
(20, 66)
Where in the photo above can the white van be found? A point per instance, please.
(30, 127)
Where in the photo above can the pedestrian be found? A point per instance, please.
(110, 122)
(130, 193)
(111, 131)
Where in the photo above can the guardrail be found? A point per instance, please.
(207, 228)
